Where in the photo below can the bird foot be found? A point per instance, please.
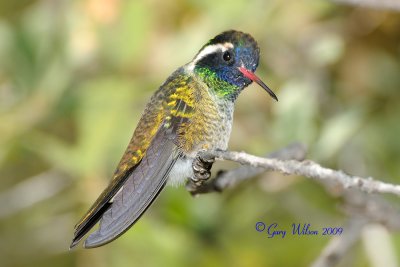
(201, 165)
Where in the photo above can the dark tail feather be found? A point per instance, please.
(81, 232)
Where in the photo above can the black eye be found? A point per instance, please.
(227, 56)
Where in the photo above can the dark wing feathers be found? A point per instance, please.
(133, 189)
(129, 200)
(138, 192)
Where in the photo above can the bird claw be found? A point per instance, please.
(202, 165)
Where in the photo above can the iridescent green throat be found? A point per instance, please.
(221, 88)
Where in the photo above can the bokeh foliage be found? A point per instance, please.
(74, 79)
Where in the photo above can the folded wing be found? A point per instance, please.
(139, 190)
(144, 168)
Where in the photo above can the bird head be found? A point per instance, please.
(227, 63)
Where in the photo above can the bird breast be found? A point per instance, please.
(213, 132)
(209, 128)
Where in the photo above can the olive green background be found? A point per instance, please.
(76, 75)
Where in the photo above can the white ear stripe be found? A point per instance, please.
(212, 49)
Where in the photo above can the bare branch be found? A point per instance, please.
(306, 168)
(226, 179)
(340, 245)
(372, 207)
(362, 208)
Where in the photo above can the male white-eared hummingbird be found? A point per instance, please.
(191, 112)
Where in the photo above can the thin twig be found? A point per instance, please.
(370, 206)
(226, 179)
(362, 208)
(308, 169)
(338, 246)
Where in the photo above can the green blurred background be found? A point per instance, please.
(76, 75)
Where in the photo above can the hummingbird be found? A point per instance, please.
(192, 111)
